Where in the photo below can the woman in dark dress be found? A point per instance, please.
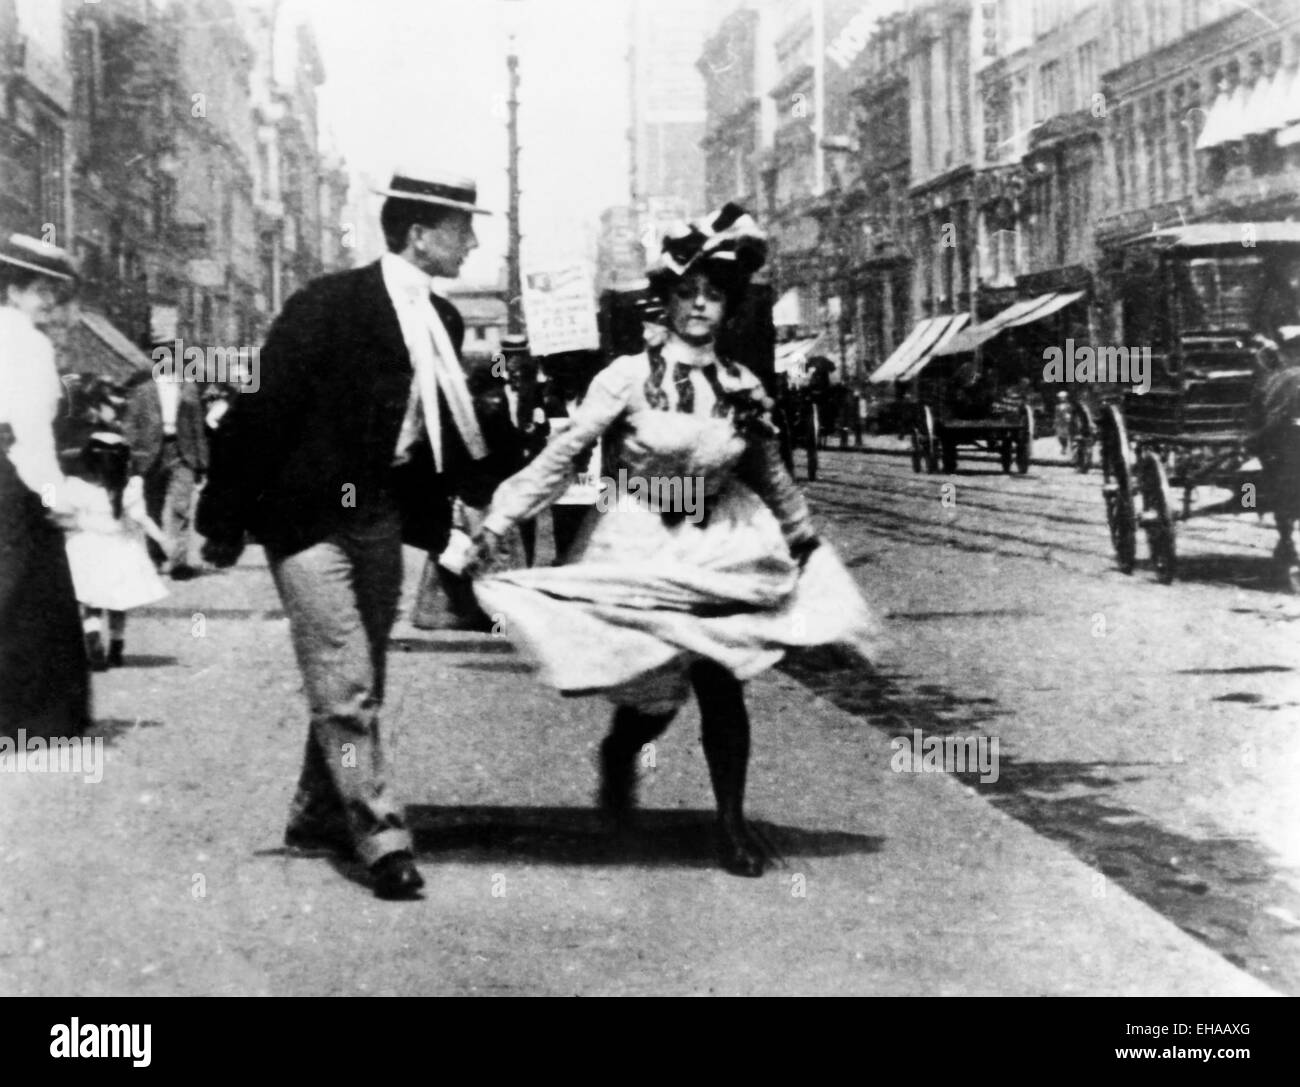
(44, 675)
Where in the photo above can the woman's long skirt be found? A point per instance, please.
(44, 675)
(643, 596)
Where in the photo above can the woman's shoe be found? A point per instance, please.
(738, 853)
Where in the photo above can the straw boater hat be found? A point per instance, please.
(23, 251)
(449, 192)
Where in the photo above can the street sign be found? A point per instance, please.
(560, 308)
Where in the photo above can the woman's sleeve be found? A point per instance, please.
(763, 469)
(531, 490)
(29, 408)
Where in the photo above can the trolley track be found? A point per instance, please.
(1054, 513)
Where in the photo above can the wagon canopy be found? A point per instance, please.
(910, 356)
(1023, 312)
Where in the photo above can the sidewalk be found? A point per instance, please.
(167, 878)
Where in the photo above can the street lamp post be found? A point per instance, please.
(514, 281)
(842, 250)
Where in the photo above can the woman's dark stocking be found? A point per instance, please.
(724, 730)
(630, 732)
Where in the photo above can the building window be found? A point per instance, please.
(1049, 79)
(49, 178)
(90, 76)
(1193, 122)
(1087, 74)
(1160, 133)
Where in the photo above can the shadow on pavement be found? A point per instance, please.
(578, 836)
(112, 729)
(1225, 892)
(1251, 572)
(461, 645)
(153, 611)
(147, 660)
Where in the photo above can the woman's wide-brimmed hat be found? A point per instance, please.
(34, 255)
(449, 192)
(728, 240)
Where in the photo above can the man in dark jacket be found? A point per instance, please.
(360, 432)
(163, 425)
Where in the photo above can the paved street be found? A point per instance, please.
(1140, 838)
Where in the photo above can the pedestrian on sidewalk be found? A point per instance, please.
(700, 586)
(1061, 420)
(355, 443)
(111, 568)
(164, 427)
(44, 680)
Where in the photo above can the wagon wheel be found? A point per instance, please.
(1117, 488)
(1082, 433)
(812, 438)
(1157, 519)
(925, 444)
(948, 448)
(1025, 440)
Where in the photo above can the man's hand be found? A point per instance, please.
(64, 519)
(222, 553)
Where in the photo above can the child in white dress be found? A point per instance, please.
(111, 568)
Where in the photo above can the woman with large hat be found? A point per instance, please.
(700, 564)
(44, 675)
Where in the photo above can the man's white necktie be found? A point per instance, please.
(434, 360)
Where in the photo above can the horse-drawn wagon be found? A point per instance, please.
(1223, 291)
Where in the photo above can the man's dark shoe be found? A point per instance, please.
(395, 877)
(184, 572)
(116, 648)
(316, 842)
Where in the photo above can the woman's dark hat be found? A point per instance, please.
(449, 192)
(729, 239)
(34, 255)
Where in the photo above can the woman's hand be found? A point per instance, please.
(484, 554)
(801, 550)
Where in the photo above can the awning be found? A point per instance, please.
(787, 310)
(1270, 104)
(1023, 312)
(790, 357)
(1206, 235)
(1289, 114)
(94, 345)
(917, 345)
(1054, 302)
(954, 325)
(1227, 119)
